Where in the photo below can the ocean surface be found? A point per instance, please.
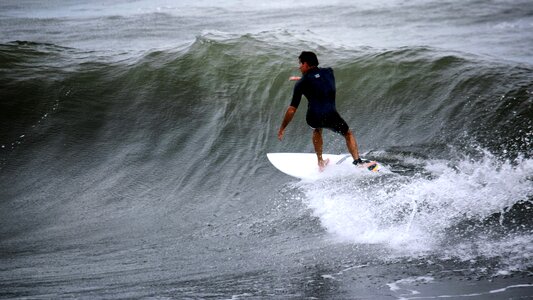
(134, 137)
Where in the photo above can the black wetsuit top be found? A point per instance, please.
(318, 86)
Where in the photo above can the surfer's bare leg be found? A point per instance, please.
(351, 143)
(317, 143)
(354, 151)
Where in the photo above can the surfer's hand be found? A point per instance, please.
(280, 134)
(294, 78)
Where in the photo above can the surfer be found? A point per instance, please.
(318, 86)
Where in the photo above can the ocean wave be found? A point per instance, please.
(190, 127)
(416, 95)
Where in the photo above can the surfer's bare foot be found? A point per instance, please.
(370, 165)
(363, 163)
(322, 164)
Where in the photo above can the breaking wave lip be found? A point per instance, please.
(425, 214)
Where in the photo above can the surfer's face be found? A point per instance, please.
(304, 67)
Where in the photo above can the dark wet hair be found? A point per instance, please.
(309, 58)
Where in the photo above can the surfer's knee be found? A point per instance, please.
(348, 133)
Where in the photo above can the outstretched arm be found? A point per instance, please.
(289, 114)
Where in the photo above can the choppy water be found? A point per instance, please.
(134, 140)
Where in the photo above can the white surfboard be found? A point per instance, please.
(304, 165)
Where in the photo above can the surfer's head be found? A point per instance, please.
(308, 60)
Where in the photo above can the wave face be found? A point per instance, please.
(418, 95)
(169, 149)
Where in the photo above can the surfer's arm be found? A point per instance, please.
(289, 114)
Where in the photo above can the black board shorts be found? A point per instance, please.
(332, 121)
